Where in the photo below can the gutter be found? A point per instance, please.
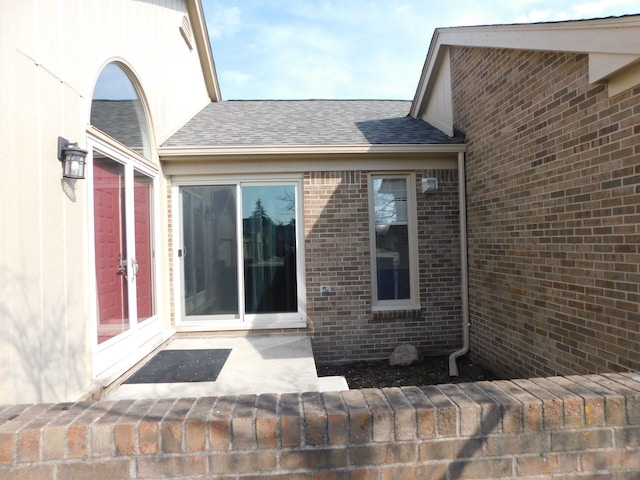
(464, 268)
(209, 152)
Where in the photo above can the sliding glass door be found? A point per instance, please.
(239, 252)
(209, 251)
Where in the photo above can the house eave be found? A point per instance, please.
(192, 153)
(613, 45)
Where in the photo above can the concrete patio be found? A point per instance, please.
(256, 364)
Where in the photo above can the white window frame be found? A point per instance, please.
(242, 321)
(412, 303)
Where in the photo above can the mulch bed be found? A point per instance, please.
(429, 371)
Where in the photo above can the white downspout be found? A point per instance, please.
(464, 271)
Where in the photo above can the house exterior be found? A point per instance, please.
(342, 220)
(202, 217)
(365, 259)
(551, 117)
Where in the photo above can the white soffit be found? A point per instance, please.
(603, 65)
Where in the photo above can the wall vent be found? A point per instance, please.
(187, 33)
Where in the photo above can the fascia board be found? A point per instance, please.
(201, 36)
(278, 164)
(168, 153)
(430, 65)
(610, 35)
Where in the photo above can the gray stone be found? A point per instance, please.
(403, 355)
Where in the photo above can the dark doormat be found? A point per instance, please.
(173, 366)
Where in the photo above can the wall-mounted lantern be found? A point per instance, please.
(72, 158)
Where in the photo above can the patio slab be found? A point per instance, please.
(256, 364)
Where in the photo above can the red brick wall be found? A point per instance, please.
(553, 213)
(337, 254)
(569, 428)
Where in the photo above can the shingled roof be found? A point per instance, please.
(306, 122)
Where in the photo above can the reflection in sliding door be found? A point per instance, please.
(210, 256)
(269, 248)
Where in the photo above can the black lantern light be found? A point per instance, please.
(72, 158)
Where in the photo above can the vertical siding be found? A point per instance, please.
(51, 54)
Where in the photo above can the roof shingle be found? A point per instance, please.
(306, 122)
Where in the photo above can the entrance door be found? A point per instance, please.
(123, 200)
(110, 247)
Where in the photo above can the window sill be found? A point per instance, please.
(409, 313)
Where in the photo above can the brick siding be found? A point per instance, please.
(553, 428)
(553, 199)
(342, 324)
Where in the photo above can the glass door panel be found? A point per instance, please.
(269, 249)
(143, 195)
(210, 255)
(110, 247)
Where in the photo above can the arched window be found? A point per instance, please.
(116, 109)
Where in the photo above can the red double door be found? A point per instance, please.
(123, 249)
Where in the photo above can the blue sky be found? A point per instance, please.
(358, 49)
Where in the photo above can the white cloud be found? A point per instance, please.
(598, 8)
(224, 22)
(534, 16)
(356, 48)
(235, 78)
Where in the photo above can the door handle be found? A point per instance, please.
(122, 269)
(134, 267)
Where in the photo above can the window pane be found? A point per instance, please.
(269, 248)
(117, 110)
(392, 238)
(210, 250)
(143, 196)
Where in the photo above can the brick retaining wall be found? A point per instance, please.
(582, 427)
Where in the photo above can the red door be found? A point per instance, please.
(110, 247)
(142, 195)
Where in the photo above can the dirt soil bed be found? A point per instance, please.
(429, 371)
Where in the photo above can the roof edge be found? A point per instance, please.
(167, 153)
(201, 36)
(611, 35)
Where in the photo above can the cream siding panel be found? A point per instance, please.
(51, 53)
(438, 111)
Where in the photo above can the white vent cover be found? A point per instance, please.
(429, 185)
(187, 33)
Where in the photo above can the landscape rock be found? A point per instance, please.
(403, 355)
